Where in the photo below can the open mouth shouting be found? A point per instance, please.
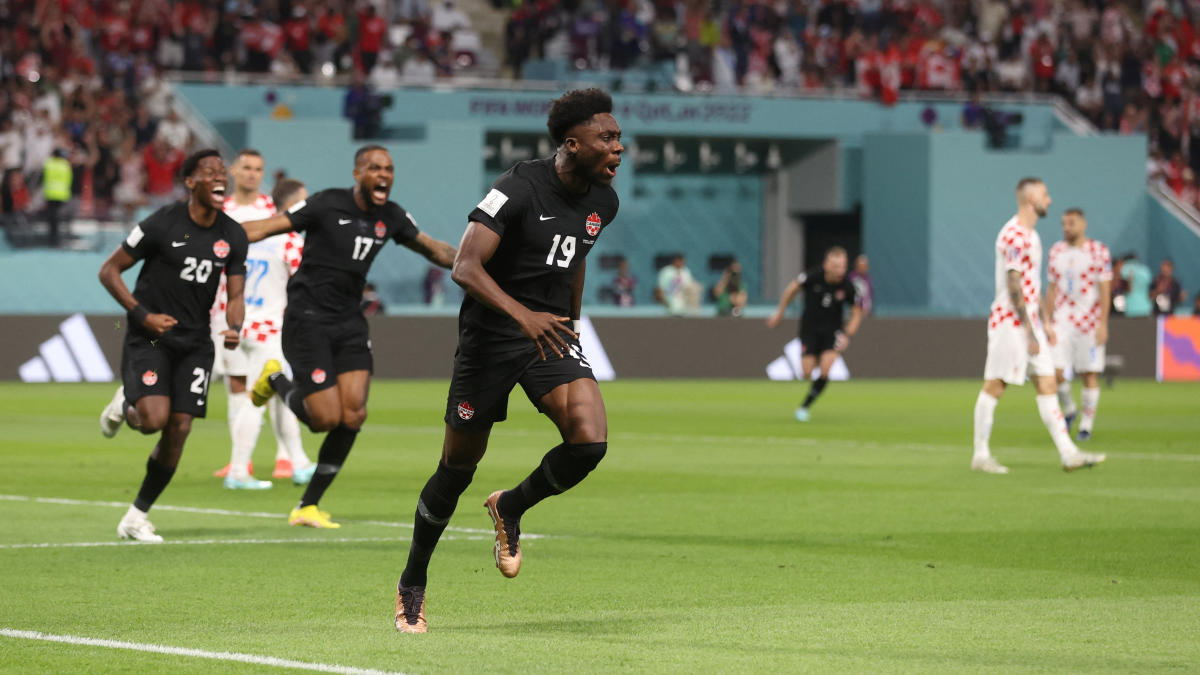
(379, 192)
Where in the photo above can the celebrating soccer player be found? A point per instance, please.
(1019, 335)
(1080, 276)
(168, 356)
(522, 263)
(325, 336)
(827, 294)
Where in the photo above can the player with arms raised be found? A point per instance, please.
(1019, 336)
(1078, 298)
(827, 294)
(325, 335)
(522, 263)
(168, 356)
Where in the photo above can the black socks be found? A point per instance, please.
(157, 477)
(438, 500)
(818, 386)
(561, 469)
(334, 450)
(290, 395)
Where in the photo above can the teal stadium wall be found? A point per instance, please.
(1170, 238)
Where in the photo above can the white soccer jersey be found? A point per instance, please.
(1018, 249)
(1076, 272)
(262, 207)
(269, 265)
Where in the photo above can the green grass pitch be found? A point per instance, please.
(719, 535)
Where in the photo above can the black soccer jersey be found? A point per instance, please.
(546, 232)
(825, 303)
(183, 263)
(341, 243)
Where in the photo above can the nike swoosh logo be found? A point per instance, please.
(343, 221)
(540, 217)
(177, 244)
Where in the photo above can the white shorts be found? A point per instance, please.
(1008, 355)
(1078, 351)
(256, 354)
(228, 362)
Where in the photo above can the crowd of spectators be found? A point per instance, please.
(82, 80)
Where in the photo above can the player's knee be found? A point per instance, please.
(571, 463)
(180, 426)
(588, 454)
(323, 420)
(354, 417)
(151, 421)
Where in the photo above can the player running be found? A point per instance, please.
(1019, 336)
(522, 264)
(269, 265)
(827, 294)
(325, 336)
(168, 356)
(1080, 288)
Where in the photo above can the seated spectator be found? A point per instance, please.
(418, 70)
(621, 291)
(1137, 295)
(677, 290)
(1165, 290)
(864, 290)
(730, 291)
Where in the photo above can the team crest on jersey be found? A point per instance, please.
(149, 378)
(465, 411)
(380, 229)
(593, 224)
(318, 376)
(221, 248)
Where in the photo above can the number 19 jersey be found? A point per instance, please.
(545, 232)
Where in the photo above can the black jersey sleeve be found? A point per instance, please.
(405, 229)
(503, 205)
(305, 215)
(143, 239)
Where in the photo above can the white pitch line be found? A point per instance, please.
(224, 542)
(195, 653)
(242, 514)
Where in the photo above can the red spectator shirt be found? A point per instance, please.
(297, 33)
(370, 33)
(160, 175)
(114, 31)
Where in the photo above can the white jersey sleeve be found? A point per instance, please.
(1017, 249)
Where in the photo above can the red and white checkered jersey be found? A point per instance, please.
(269, 265)
(262, 207)
(1020, 249)
(1076, 272)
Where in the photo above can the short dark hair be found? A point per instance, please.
(575, 107)
(284, 189)
(1026, 182)
(358, 154)
(1074, 211)
(193, 160)
(835, 250)
(248, 152)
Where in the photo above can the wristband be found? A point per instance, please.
(237, 328)
(575, 326)
(137, 315)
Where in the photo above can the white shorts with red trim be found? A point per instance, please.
(1078, 351)
(1008, 356)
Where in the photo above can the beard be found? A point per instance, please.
(1040, 211)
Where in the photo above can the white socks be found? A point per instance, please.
(287, 434)
(985, 412)
(236, 403)
(1089, 399)
(244, 431)
(1052, 417)
(1064, 399)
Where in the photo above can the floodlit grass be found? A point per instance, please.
(718, 535)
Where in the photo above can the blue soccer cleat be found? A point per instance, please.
(1083, 435)
(302, 476)
(801, 414)
(250, 483)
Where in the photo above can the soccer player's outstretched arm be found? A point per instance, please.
(110, 278)
(478, 245)
(435, 251)
(257, 230)
(790, 292)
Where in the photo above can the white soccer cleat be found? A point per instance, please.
(1082, 460)
(138, 527)
(114, 414)
(988, 465)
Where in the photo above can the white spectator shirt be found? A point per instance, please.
(262, 207)
(1016, 249)
(1076, 272)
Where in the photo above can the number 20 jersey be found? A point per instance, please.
(183, 263)
(341, 243)
(546, 232)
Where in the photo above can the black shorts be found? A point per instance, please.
(177, 365)
(817, 341)
(481, 383)
(318, 350)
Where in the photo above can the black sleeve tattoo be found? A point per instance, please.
(1018, 301)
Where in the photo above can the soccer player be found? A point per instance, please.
(1077, 297)
(827, 294)
(269, 264)
(246, 203)
(1019, 335)
(325, 336)
(522, 264)
(168, 356)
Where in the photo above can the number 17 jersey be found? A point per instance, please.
(546, 232)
